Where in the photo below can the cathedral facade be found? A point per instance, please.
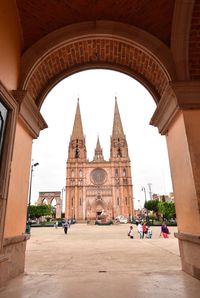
(98, 188)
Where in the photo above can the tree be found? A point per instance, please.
(152, 205)
(167, 209)
(41, 210)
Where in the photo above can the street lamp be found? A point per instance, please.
(29, 198)
(150, 192)
(63, 190)
(145, 196)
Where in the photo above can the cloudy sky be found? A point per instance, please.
(96, 90)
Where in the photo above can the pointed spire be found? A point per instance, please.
(117, 124)
(98, 153)
(98, 146)
(77, 132)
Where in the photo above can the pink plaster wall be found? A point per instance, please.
(11, 42)
(19, 184)
(183, 140)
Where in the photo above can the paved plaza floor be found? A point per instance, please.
(101, 262)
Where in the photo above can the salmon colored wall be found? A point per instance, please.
(11, 42)
(19, 184)
(183, 140)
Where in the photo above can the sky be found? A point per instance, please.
(96, 90)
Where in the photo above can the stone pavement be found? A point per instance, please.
(101, 262)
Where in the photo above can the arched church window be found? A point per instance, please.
(118, 201)
(72, 173)
(126, 201)
(72, 202)
(80, 201)
(80, 173)
(116, 172)
(124, 172)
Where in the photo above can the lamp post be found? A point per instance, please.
(29, 198)
(145, 196)
(150, 192)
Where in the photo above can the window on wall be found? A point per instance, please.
(116, 172)
(118, 201)
(72, 173)
(80, 201)
(124, 172)
(72, 202)
(126, 201)
(80, 173)
(3, 117)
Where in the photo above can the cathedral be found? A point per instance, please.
(99, 188)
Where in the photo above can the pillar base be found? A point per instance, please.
(189, 245)
(12, 260)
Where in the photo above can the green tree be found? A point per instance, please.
(41, 210)
(152, 205)
(167, 209)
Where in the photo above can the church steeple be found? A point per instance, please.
(98, 153)
(77, 132)
(117, 124)
(119, 148)
(77, 149)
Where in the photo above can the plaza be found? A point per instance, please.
(101, 261)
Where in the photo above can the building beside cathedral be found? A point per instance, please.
(98, 188)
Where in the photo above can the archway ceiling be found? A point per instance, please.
(95, 53)
(39, 18)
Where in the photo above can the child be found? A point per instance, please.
(130, 232)
(149, 233)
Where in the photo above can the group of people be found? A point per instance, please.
(146, 232)
(143, 230)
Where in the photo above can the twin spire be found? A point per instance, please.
(117, 131)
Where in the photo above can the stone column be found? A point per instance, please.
(58, 207)
(178, 117)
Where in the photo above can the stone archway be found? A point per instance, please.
(49, 197)
(107, 45)
(165, 72)
(136, 53)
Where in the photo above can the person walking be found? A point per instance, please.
(130, 232)
(65, 226)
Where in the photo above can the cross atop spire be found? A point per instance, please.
(117, 124)
(77, 132)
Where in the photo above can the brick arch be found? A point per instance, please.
(124, 48)
(194, 43)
